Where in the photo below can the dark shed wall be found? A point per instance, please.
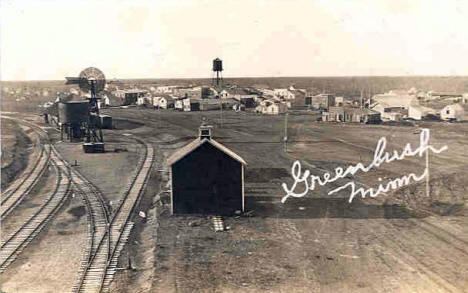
(207, 181)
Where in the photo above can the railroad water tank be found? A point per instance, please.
(73, 112)
(95, 120)
(106, 121)
(217, 65)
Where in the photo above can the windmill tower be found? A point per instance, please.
(92, 81)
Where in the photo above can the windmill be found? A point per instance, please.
(91, 80)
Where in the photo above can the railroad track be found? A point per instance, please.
(96, 254)
(106, 237)
(122, 220)
(17, 242)
(21, 188)
(101, 257)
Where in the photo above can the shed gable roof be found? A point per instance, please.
(187, 149)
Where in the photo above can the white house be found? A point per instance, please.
(224, 94)
(284, 94)
(417, 112)
(452, 112)
(261, 109)
(141, 101)
(276, 108)
(165, 89)
(394, 99)
(390, 113)
(191, 104)
(179, 104)
(465, 98)
(166, 102)
(267, 92)
(339, 101)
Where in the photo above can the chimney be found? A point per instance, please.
(204, 130)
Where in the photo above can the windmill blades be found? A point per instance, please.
(92, 74)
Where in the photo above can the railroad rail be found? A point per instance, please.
(96, 254)
(18, 240)
(21, 188)
(97, 274)
(122, 220)
(106, 237)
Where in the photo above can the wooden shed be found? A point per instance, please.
(206, 177)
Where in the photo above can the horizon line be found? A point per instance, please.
(245, 77)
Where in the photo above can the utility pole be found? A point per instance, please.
(361, 99)
(285, 138)
(428, 188)
(159, 116)
(221, 110)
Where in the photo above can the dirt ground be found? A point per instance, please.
(15, 151)
(50, 263)
(398, 242)
(110, 177)
(319, 243)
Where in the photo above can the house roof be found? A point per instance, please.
(455, 107)
(187, 149)
(167, 98)
(355, 111)
(210, 101)
(392, 100)
(131, 91)
(360, 111)
(450, 94)
(424, 110)
(239, 91)
(162, 95)
(299, 93)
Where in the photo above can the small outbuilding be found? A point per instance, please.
(206, 177)
(166, 102)
(453, 112)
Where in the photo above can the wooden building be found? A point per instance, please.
(126, 97)
(454, 112)
(191, 104)
(206, 177)
(346, 114)
(323, 101)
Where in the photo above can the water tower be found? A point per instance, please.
(217, 69)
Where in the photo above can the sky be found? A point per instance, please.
(51, 39)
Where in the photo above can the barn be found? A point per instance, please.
(206, 177)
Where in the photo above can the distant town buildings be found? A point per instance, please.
(347, 114)
(322, 101)
(394, 105)
(454, 112)
(127, 97)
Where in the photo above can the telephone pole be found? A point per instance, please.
(221, 109)
(428, 188)
(285, 138)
